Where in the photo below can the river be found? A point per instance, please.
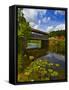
(55, 58)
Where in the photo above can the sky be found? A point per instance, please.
(45, 20)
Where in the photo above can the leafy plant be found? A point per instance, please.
(41, 70)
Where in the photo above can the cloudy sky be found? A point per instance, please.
(44, 19)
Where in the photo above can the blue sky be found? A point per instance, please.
(44, 19)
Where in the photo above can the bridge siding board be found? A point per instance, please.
(39, 37)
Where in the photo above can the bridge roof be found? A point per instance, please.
(38, 31)
(38, 35)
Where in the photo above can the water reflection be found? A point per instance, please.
(55, 58)
(33, 45)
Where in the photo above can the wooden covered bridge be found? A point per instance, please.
(30, 54)
(39, 36)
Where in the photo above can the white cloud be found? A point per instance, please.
(39, 22)
(49, 18)
(59, 12)
(32, 24)
(46, 19)
(29, 14)
(60, 27)
(41, 12)
(31, 17)
(49, 29)
(56, 28)
(36, 27)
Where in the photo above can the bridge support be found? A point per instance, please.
(44, 44)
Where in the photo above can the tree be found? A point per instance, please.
(23, 26)
(57, 33)
(24, 31)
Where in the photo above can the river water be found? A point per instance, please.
(55, 58)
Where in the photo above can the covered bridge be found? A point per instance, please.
(38, 36)
(30, 54)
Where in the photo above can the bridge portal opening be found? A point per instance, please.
(34, 44)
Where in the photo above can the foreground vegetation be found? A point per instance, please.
(40, 70)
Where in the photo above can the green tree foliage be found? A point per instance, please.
(24, 31)
(23, 26)
(57, 33)
(57, 46)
